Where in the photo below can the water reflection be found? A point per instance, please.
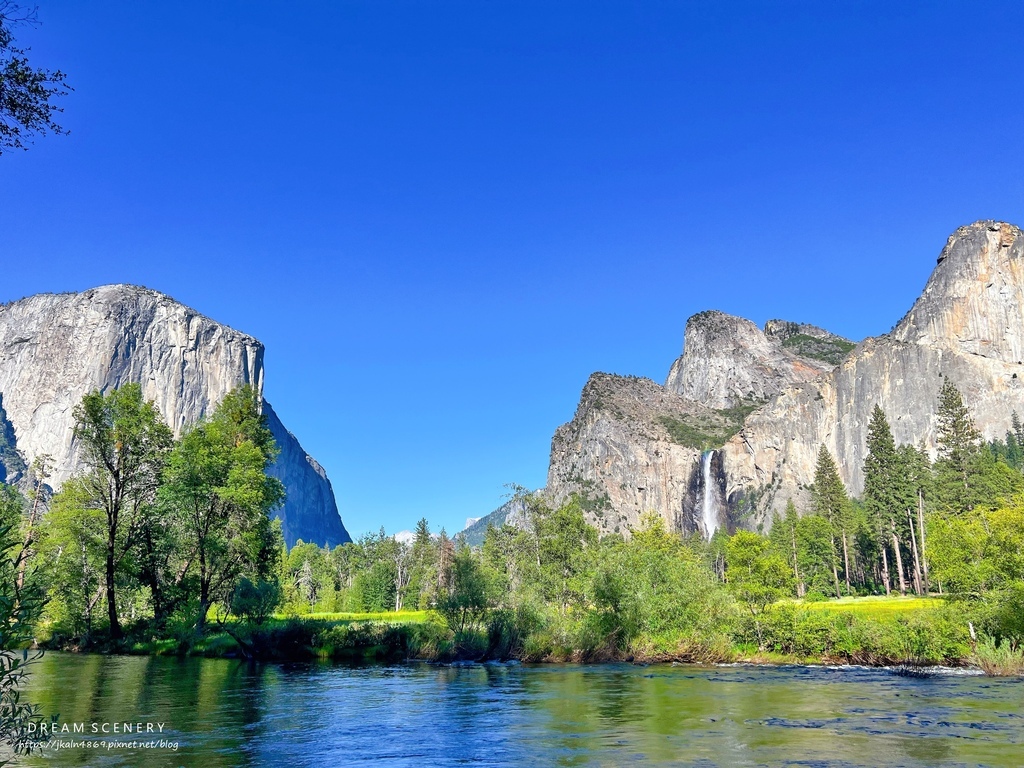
(229, 713)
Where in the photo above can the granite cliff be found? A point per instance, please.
(735, 431)
(54, 348)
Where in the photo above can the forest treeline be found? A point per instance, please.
(952, 528)
(162, 542)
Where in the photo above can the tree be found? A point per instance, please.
(27, 94)
(959, 447)
(124, 443)
(466, 603)
(783, 536)
(832, 503)
(72, 544)
(255, 602)
(563, 535)
(757, 575)
(882, 486)
(21, 602)
(216, 481)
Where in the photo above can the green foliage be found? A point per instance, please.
(755, 574)
(465, 606)
(255, 602)
(831, 350)
(124, 444)
(27, 94)
(936, 635)
(959, 448)
(709, 429)
(218, 488)
(20, 608)
(999, 659)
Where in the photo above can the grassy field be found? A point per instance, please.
(386, 617)
(874, 607)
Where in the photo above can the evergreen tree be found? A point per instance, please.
(882, 484)
(783, 536)
(959, 447)
(832, 503)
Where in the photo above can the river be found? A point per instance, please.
(218, 712)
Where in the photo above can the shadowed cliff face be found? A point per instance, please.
(768, 400)
(55, 348)
(310, 513)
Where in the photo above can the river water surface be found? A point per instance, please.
(218, 712)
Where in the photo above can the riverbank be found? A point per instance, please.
(910, 632)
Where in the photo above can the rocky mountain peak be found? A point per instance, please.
(744, 411)
(974, 300)
(728, 361)
(55, 348)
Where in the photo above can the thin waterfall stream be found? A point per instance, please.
(710, 513)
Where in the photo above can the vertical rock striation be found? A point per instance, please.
(967, 326)
(55, 348)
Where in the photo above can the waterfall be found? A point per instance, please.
(709, 504)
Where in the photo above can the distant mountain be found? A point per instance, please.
(55, 348)
(510, 512)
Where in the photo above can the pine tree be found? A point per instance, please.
(882, 485)
(832, 503)
(959, 446)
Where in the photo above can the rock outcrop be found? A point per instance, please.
(728, 361)
(634, 446)
(764, 402)
(55, 348)
(967, 326)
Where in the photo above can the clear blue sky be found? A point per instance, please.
(441, 217)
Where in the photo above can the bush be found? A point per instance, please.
(255, 602)
(999, 659)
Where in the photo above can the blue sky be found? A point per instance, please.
(441, 217)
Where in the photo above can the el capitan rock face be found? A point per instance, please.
(765, 401)
(55, 348)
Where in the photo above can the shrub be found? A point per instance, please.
(999, 658)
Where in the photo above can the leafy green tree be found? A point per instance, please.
(72, 554)
(255, 602)
(216, 481)
(124, 444)
(27, 94)
(956, 551)
(507, 551)
(465, 605)
(563, 536)
(756, 575)
(309, 572)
